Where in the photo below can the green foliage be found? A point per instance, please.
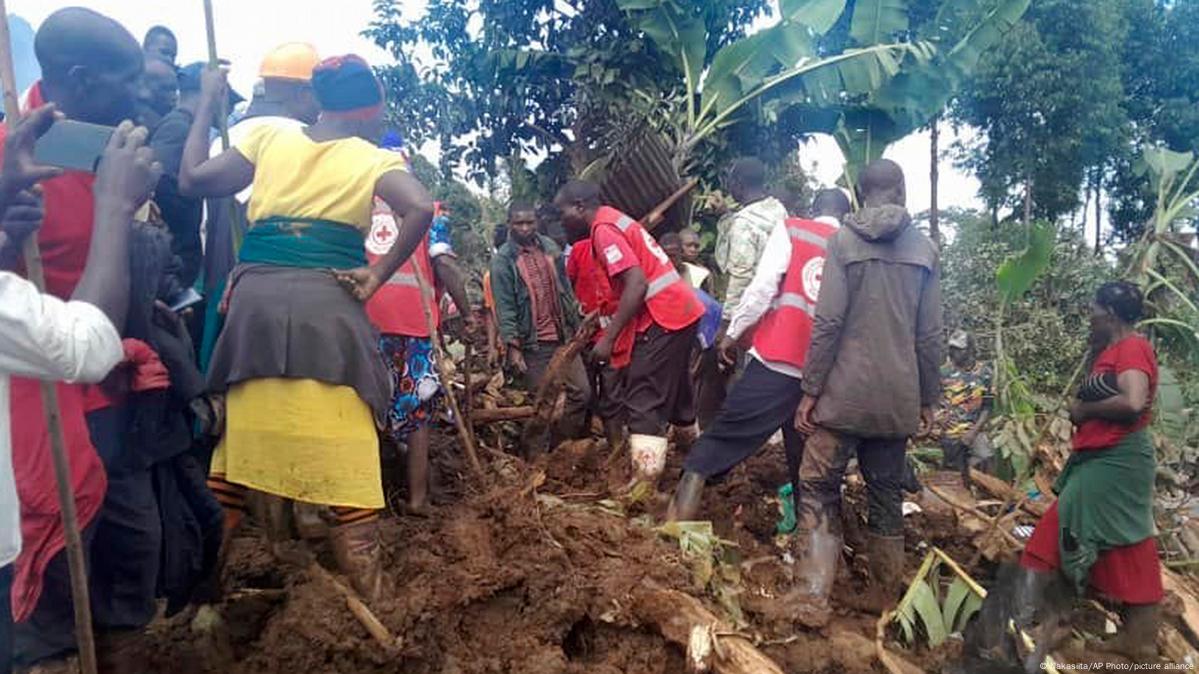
(1045, 329)
(712, 566)
(1018, 272)
(1074, 94)
(939, 606)
(517, 77)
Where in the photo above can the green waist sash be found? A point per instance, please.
(309, 243)
(1105, 500)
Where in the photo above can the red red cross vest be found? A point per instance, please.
(669, 300)
(785, 332)
(395, 309)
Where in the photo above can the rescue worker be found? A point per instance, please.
(779, 303)
(397, 310)
(594, 293)
(870, 381)
(658, 306)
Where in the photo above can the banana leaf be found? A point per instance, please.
(876, 21)
(819, 15)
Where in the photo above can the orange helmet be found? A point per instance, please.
(290, 61)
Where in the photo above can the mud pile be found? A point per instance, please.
(540, 572)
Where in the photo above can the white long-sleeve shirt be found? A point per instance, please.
(43, 337)
(765, 287)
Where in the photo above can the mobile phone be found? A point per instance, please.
(185, 299)
(72, 145)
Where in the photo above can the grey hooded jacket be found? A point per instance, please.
(876, 341)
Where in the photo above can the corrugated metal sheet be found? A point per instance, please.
(643, 178)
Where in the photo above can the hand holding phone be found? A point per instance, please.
(128, 172)
(72, 145)
(21, 169)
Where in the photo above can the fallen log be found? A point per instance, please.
(980, 515)
(684, 621)
(534, 436)
(493, 414)
(1000, 489)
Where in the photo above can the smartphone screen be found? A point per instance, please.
(72, 145)
(185, 299)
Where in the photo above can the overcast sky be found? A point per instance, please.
(247, 29)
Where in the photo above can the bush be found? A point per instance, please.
(1046, 332)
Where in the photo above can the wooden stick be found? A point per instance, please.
(426, 297)
(551, 384)
(1000, 489)
(214, 62)
(494, 414)
(982, 517)
(655, 216)
(468, 411)
(361, 611)
(77, 565)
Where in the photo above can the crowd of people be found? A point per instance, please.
(260, 318)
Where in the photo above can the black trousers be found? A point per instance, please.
(6, 619)
(711, 387)
(825, 458)
(578, 388)
(607, 390)
(761, 403)
(658, 380)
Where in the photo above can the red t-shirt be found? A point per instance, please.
(1130, 353)
(616, 255)
(590, 285)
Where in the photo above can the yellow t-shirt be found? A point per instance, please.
(297, 177)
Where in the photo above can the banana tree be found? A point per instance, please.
(961, 32)
(1174, 306)
(780, 63)
(890, 80)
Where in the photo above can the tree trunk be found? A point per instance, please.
(1027, 201)
(934, 217)
(1098, 212)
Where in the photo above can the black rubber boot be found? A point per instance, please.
(688, 496)
(1137, 638)
(817, 553)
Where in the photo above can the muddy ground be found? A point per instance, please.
(535, 574)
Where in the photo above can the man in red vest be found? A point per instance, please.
(658, 306)
(594, 293)
(779, 302)
(405, 341)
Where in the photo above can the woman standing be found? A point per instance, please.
(1100, 531)
(297, 358)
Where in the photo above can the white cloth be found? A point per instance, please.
(43, 337)
(764, 289)
(696, 274)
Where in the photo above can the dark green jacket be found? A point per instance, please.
(513, 308)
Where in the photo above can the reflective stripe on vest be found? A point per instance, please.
(797, 301)
(807, 236)
(661, 283)
(624, 222)
(403, 279)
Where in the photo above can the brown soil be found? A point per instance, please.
(534, 576)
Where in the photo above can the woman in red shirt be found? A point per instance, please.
(1100, 532)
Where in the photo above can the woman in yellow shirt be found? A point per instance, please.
(297, 356)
